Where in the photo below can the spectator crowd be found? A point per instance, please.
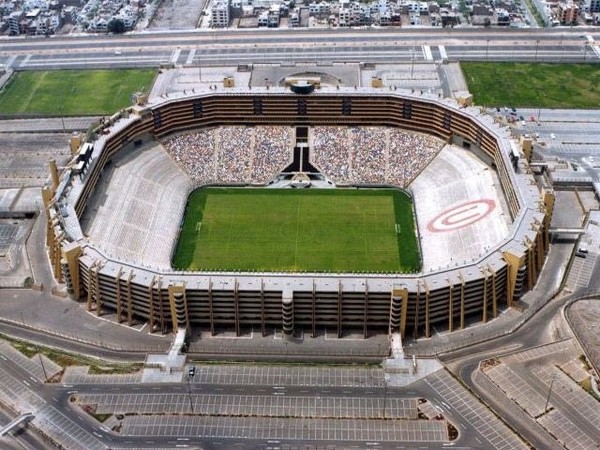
(348, 155)
(232, 154)
(372, 155)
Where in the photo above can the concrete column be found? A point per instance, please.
(119, 305)
(339, 311)
(263, 325)
(211, 309)
(129, 301)
(314, 310)
(494, 296)
(462, 301)
(427, 331)
(151, 305)
(67, 276)
(484, 306)
(395, 313)
(287, 311)
(90, 288)
(236, 305)
(450, 306)
(178, 306)
(180, 309)
(70, 269)
(54, 173)
(366, 311)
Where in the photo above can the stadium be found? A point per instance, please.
(116, 213)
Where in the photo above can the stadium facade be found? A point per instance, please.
(412, 304)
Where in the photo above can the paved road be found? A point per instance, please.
(293, 46)
(49, 125)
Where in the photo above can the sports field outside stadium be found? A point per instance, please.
(313, 230)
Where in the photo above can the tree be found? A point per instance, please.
(116, 26)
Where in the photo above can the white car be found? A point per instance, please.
(552, 136)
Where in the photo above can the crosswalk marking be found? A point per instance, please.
(427, 53)
(190, 57)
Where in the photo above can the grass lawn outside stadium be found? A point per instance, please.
(312, 230)
(72, 92)
(539, 85)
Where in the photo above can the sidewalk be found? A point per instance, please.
(49, 125)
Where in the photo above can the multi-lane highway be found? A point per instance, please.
(212, 48)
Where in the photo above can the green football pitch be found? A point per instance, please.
(316, 230)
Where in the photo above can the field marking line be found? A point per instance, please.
(34, 91)
(229, 230)
(297, 232)
(365, 235)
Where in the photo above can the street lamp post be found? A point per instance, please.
(384, 397)
(549, 392)
(412, 63)
(190, 393)
(537, 43)
(487, 48)
(561, 46)
(62, 117)
(43, 368)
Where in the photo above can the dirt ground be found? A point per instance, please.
(177, 14)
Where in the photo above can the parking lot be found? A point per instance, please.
(539, 352)
(24, 159)
(518, 389)
(474, 412)
(17, 393)
(8, 232)
(59, 427)
(288, 428)
(581, 406)
(80, 375)
(536, 381)
(289, 376)
(565, 431)
(254, 405)
(581, 271)
(32, 365)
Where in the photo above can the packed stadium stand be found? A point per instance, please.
(447, 297)
(372, 155)
(232, 154)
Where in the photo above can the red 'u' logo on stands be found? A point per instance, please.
(462, 215)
